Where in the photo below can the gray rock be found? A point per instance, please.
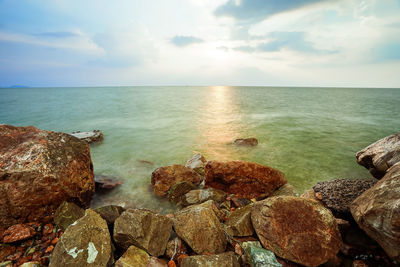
(377, 212)
(86, 242)
(227, 259)
(89, 137)
(144, 229)
(256, 256)
(239, 222)
(338, 194)
(200, 228)
(110, 213)
(66, 214)
(199, 196)
(381, 155)
(197, 163)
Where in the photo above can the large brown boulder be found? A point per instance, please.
(163, 178)
(296, 229)
(377, 212)
(381, 155)
(245, 179)
(39, 170)
(200, 228)
(227, 259)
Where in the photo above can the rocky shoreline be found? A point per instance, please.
(234, 213)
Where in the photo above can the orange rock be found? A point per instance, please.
(49, 249)
(47, 229)
(54, 241)
(181, 257)
(171, 264)
(17, 232)
(5, 251)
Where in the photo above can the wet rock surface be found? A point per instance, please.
(197, 163)
(227, 259)
(296, 229)
(377, 212)
(38, 171)
(200, 228)
(246, 141)
(89, 137)
(338, 194)
(105, 183)
(284, 190)
(244, 179)
(163, 178)
(144, 229)
(66, 214)
(381, 155)
(85, 243)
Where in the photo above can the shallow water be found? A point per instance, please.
(311, 134)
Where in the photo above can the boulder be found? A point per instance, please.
(133, 257)
(239, 222)
(246, 142)
(245, 179)
(164, 177)
(338, 194)
(66, 214)
(381, 155)
(199, 196)
(17, 232)
(178, 190)
(284, 190)
(197, 163)
(200, 228)
(31, 264)
(144, 229)
(227, 259)
(110, 213)
(296, 229)
(105, 183)
(377, 212)
(86, 242)
(38, 171)
(89, 137)
(256, 256)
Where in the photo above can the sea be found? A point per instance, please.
(310, 134)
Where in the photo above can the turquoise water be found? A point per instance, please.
(311, 134)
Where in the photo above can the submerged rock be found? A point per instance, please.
(338, 194)
(296, 229)
(110, 212)
(227, 259)
(245, 179)
(199, 196)
(256, 256)
(197, 163)
(84, 243)
(284, 190)
(200, 228)
(377, 212)
(89, 137)
(163, 178)
(66, 214)
(143, 228)
(246, 141)
(39, 170)
(381, 155)
(105, 183)
(239, 222)
(133, 257)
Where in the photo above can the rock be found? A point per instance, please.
(381, 155)
(256, 256)
(239, 222)
(18, 232)
(89, 137)
(133, 257)
(178, 190)
(284, 190)
(143, 228)
(246, 142)
(245, 179)
(227, 259)
(110, 213)
(200, 228)
(6, 264)
(84, 243)
(310, 194)
(359, 263)
(5, 251)
(197, 163)
(156, 262)
(164, 177)
(377, 212)
(31, 264)
(175, 248)
(105, 183)
(38, 171)
(199, 196)
(338, 194)
(296, 229)
(66, 214)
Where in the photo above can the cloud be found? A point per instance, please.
(223, 48)
(59, 34)
(181, 40)
(258, 9)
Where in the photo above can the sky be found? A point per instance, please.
(339, 43)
